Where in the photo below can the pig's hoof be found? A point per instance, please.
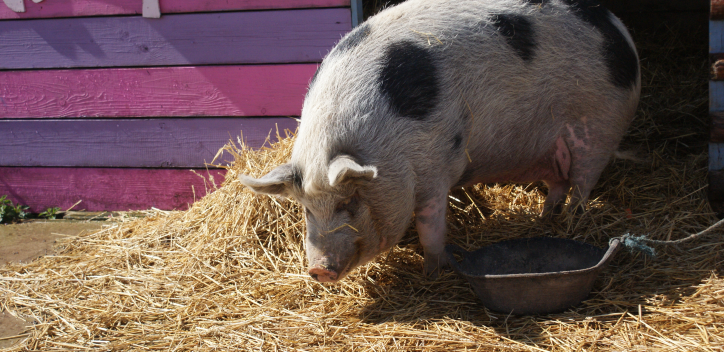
(435, 265)
(552, 211)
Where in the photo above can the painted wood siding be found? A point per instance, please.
(188, 39)
(101, 189)
(101, 105)
(175, 143)
(266, 90)
(87, 8)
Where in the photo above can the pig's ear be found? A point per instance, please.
(344, 170)
(278, 182)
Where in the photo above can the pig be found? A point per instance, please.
(430, 95)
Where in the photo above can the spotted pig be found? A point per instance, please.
(434, 94)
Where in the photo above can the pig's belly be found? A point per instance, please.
(553, 166)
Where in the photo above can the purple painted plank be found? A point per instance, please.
(168, 143)
(106, 189)
(189, 39)
(267, 90)
(83, 8)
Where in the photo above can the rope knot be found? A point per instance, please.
(637, 244)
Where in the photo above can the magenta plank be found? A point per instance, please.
(284, 36)
(168, 143)
(265, 90)
(106, 189)
(84, 8)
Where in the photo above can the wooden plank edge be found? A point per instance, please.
(107, 189)
(263, 37)
(716, 96)
(168, 143)
(716, 37)
(238, 90)
(716, 156)
(89, 8)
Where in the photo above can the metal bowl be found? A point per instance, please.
(538, 275)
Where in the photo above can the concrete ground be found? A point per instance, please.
(24, 242)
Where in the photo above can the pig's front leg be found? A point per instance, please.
(432, 227)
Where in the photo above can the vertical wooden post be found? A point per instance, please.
(716, 106)
(357, 15)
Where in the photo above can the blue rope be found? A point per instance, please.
(639, 243)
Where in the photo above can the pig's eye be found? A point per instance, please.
(349, 205)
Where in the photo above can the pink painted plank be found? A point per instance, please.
(82, 8)
(106, 189)
(176, 143)
(271, 90)
(258, 37)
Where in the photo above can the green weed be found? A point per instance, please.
(10, 212)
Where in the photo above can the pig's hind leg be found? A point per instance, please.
(558, 179)
(557, 193)
(584, 177)
(590, 153)
(576, 168)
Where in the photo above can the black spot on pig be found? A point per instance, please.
(297, 178)
(353, 39)
(457, 142)
(409, 79)
(620, 57)
(518, 32)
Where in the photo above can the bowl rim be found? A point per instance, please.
(451, 249)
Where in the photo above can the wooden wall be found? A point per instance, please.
(103, 106)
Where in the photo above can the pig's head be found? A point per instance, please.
(350, 167)
(348, 213)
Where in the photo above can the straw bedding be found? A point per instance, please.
(230, 272)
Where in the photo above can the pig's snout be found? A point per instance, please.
(323, 273)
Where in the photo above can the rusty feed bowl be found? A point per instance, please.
(532, 275)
